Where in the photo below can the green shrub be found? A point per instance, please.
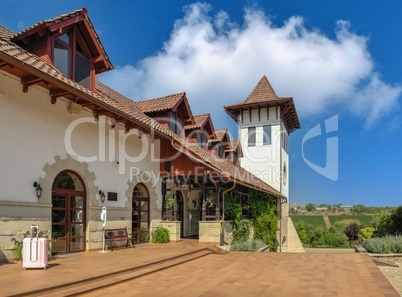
(247, 246)
(241, 230)
(389, 223)
(266, 226)
(384, 245)
(17, 251)
(365, 233)
(18, 244)
(336, 240)
(160, 235)
(318, 236)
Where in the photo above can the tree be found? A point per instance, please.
(310, 207)
(302, 232)
(352, 230)
(266, 226)
(388, 224)
(396, 221)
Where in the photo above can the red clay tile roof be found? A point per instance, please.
(263, 95)
(199, 121)
(6, 33)
(113, 101)
(236, 173)
(74, 14)
(234, 144)
(160, 104)
(219, 135)
(263, 91)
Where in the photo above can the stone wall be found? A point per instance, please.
(174, 229)
(209, 231)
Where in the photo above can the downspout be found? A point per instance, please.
(223, 214)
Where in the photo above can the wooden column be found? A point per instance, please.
(163, 199)
(175, 210)
(204, 211)
(218, 204)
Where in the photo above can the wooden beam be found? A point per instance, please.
(130, 126)
(103, 113)
(267, 112)
(259, 114)
(83, 102)
(63, 24)
(54, 94)
(5, 64)
(29, 80)
(287, 107)
(26, 39)
(42, 33)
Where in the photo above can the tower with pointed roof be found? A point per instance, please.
(265, 123)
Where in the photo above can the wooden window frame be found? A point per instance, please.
(74, 37)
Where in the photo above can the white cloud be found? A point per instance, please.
(218, 62)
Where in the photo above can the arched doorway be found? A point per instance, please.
(68, 213)
(140, 214)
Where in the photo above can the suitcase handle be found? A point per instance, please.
(34, 231)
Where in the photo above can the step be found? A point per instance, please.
(110, 279)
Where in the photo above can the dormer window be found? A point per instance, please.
(201, 138)
(175, 124)
(70, 57)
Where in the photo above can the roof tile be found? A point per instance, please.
(6, 33)
(199, 121)
(160, 104)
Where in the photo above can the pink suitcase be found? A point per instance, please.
(34, 250)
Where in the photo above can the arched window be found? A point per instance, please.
(140, 214)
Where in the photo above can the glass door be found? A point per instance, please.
(140, 214)
(76, 234)
(68, 214)
(59, 219)
(68, 223)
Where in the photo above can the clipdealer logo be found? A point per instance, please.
(330, 170)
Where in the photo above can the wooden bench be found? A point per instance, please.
(117, 235)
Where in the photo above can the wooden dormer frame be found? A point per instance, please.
(39, 39)
(75, 38)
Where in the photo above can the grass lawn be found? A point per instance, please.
(313, 220)
(365, 220)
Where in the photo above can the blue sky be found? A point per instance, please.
(340, 61)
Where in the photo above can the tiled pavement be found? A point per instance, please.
(234, 274)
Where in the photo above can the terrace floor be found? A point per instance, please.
(207, 274)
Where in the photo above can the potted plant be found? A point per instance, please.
(169, 202)
(210, 200)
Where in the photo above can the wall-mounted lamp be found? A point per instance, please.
(38, 189)
(102, 196)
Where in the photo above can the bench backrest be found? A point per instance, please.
(116, 233)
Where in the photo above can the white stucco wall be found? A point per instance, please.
(36, 146)
(262, 160)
